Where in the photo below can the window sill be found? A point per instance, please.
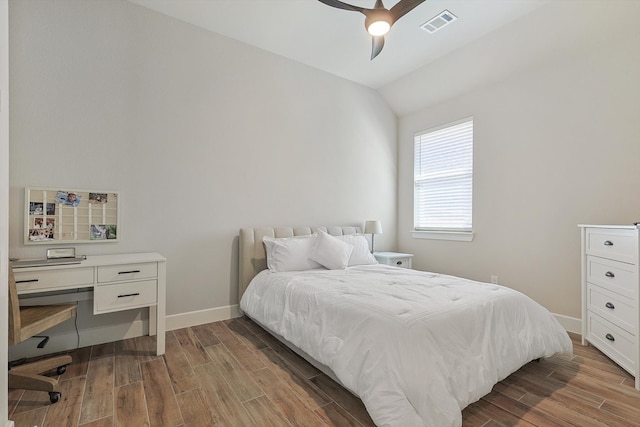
(461, 236)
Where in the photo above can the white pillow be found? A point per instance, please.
(290, 253)
(332, 253)
(361, 254)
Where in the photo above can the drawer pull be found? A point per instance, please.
(129, 272)
(609, 274)
(610, 337)
(609, 305)
(608, 243)
(129, 295)
(27, 281)
(399, 263)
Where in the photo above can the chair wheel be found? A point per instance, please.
(54, 396)
(61, 369)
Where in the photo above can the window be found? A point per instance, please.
(443, 178)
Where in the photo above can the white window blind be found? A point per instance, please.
(443, 178)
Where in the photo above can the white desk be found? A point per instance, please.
(119, 282)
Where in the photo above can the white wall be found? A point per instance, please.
(201, 135)
(4, 199)
(555, 145)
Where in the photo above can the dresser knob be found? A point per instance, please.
(608, 243)
(399, 263)
(609, 274)
(610, 337)
(609, 305)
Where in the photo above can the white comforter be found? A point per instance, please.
(416, 347)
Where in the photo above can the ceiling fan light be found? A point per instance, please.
(379, 28)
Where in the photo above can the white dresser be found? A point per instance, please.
(610, 292)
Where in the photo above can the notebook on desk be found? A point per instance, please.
(44, 262)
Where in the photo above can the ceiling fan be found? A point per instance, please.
(378, 21)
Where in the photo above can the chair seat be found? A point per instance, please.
(36, 319)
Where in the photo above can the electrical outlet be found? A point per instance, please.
(494, 280)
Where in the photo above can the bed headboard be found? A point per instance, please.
(252, 257)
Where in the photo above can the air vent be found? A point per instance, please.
(439, 21)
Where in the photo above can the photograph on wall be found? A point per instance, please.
(103, 232)
(36, 208)
(51, 223)
(98, 198)
(68, 198)
(40, 234)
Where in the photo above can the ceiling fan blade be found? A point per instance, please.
(376, 46)
(341, 5)
(402, 8)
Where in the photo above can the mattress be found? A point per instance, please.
(416, 347)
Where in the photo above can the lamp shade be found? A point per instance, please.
(373, 227)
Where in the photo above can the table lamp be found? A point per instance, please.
(373, 228)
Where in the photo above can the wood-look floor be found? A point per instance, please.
(232, 373)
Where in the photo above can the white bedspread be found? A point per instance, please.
(416, 347)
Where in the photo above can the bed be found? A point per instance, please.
(416, 347)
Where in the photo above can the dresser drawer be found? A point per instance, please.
(124, 296)
(613, 341)
(397, 262)
(43, 280)
(118, 273)
(615, 276)
(395, 259)
(613, 307)
(620, 245)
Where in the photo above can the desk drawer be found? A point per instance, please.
(124, 296)
(613, 307)
(616, 343)
(119, 273)
(616, 276)
(44, 280)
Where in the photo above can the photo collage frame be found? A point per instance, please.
(73, 216)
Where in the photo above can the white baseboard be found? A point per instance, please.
(570, 324)
(193, 318)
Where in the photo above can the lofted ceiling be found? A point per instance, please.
(490, 40)
(336, 41)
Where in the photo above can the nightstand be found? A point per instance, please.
(396, 259)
